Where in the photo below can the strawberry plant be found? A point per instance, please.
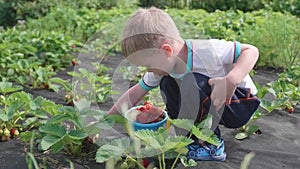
(91, 86)
(286, 88)
(149, 143)
(269, 105)
(20, 111)
(101, 69)
(56, 137)
(132, 73)
(10, 111)
(286, 94)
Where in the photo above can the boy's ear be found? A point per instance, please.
(167, 49)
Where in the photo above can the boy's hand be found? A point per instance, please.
(222, 90)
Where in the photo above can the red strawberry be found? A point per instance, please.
(74, 62)
(46, 85)
(142, 109)
(145, 163)
(73, 46)
(71, 103)
(291, 110)
(148, 106)
(12, 131)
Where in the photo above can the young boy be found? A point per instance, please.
(195, 76)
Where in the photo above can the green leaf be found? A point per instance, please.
(105, 124)
(57, 147)
(59, 118)
(92, 112)
(176, 142)
(54, 87)
(74, 74)
(3, 116)
(12, 109)
(7, 87)
(60, 81)
(153, 138)
(76, 121)
(82, 104)
(182, 150)
(77, 135)
(266, 104)
(252, 129)
(241, 136)
(26, 136)
(183, 123)
(51, 107)
(66, 109)
(187, 162)
(48, 141)
(206, 135)
(92, 129)
(22, 96)
(121, 142)
(107, 152)
(206, 123)
(30, 121)
(117, 118)
(36, 103)
(53, 129)
(40, 114)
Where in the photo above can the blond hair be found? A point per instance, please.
(148, 28)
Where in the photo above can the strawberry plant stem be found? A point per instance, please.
(179, 154)
(163, 160)
(159, 161)
(132, 159)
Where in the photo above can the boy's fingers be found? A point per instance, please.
(209, 82)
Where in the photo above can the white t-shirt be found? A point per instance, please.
(213, 58)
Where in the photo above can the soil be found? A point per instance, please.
(277, 146)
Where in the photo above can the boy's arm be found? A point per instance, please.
(245, 62)
(131, 97)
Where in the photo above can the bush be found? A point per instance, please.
(277, 37)
(292, 6)
(275, 34)
(13, 10)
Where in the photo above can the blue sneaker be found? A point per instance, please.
(206, 152)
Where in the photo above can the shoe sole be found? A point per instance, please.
(211, 158)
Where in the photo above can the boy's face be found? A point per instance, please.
(155, 60)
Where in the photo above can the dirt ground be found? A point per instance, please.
(277, 147)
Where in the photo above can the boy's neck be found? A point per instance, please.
(182, 56)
